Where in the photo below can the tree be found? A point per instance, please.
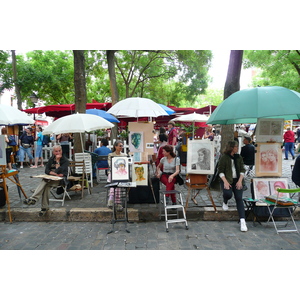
(232, 85)
(276, 67)
(80, 92)
(15, 77)
(113, 85)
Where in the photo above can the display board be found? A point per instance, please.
(143, 130)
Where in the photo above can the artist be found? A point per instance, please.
(57, 165)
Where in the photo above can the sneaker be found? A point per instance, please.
(225, 206)
(243, 225)
(21, 167)
(33, 167)
(29, 201)
(110, 204)
(285, 158)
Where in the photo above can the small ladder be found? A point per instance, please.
(169, 210)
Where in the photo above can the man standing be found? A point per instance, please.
(26, 141)
(172, 135)
(248, 152)
(289, 139)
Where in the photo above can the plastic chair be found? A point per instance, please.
(287, 203)
(86, 157)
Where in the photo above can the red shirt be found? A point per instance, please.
(289, 136)
(172, 134)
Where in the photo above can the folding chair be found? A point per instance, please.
(64, 186)
(289, 204)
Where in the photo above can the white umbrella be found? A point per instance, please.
(137, 107)
(77, 123)
(194, 117)
(13, 116)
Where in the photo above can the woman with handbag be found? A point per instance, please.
(169, 165)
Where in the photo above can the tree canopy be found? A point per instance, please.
(276, 67)
(171, 77)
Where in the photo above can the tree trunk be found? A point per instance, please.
(80, 94)
(15, 77)
(110, 54)
(232, 85)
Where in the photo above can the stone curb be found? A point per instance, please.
(103, 214)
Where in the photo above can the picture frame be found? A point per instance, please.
(263, 187)
(136, 141)
(269, 130)
(268, 160)
(140, 174)
(200, 157)
(120, 169)
(2, 150)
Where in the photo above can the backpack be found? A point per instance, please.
(12, 141)
(46, 140)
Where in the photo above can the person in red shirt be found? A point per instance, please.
(289, 139)
(172, 135)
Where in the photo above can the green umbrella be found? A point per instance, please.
(246, 106)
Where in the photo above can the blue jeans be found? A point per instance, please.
(289, 147)
(23, 151)
(238, 195)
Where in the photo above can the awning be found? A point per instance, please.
(61, 110)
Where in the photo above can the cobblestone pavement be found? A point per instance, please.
(202, 235)
(98, 196)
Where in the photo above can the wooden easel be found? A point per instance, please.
(197, 182)
(3, 176)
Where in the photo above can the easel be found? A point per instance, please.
(3, 176)
(197, 182)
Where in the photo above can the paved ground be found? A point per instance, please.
(202, 235)
(98, 196)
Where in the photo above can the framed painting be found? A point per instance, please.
(263, 187)
(268, 159)
(200, 157)
(269, 130)
(136, 140)
(140, 174)
(2, 150)
(119, 168)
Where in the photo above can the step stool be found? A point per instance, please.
(168, 209)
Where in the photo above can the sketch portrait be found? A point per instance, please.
(263, 187)
(269, 130)
(120, 168)
(140, 174)
(200, 157)
(136, 142)
(268, 159)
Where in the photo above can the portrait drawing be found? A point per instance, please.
(140, 174)
(200, 157)
(268, 159)
(120, 168)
